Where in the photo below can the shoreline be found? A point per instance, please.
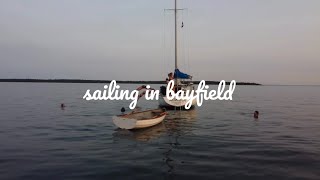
(108, 81)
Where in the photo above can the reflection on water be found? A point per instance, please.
(143, 135)
(219, 140)
(180, 121)
(182, 115)
(175, 123)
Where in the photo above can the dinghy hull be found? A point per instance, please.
(137, 120)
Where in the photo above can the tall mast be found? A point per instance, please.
(175, 36)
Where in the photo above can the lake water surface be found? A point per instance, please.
(219, 140)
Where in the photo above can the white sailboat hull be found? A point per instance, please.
(165, 102)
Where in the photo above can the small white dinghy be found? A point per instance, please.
(142, 119)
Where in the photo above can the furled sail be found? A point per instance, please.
(180, 75)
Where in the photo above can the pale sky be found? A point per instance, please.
(269, 42)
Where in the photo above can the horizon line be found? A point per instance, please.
(59, 80)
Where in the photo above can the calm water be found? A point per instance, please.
(219, 140)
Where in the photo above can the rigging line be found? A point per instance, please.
(184, 39)
(185, 31)
(164, 41)
(187, 48)
(166, 54)
(188, 43)
(172, 47)
(187, 37)
(168, 48)
(183, 43)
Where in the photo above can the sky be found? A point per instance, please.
(268, 42)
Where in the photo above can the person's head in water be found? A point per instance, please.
(256, 114)
(62, 106)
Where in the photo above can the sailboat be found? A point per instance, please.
(180, 79)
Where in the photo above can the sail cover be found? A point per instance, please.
(180, 75)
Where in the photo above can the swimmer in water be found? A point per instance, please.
(256, 114)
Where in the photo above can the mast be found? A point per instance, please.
(175, 36)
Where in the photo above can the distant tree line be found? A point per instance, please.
(108, 81)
